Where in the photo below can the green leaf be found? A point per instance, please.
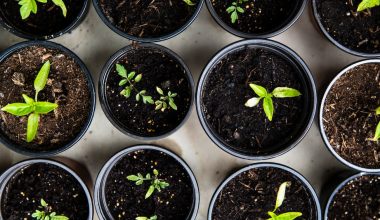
(18, 109)
(230, 9)
(138, 97)
(259, 90)
(285, 92)
(149, 192)
(41, 79)
(131, 75)
(142, 218)
(272, 215)
(155, 172)
(44, 107)
(62, 5)
(148, 99)
(189, 2)
(377, 133)
(133, 178)
(288, 216)
(27, 6)
(172, 104)
(240, 10)
(27, 99)
(159, 90)
(127, 92)
(120, 69)
(280, 195)
(139, 182)
(368, 4)
(268, 107)
(377, 111)
(32, 127)
(44, 203)
(123, 82)
(234, 16)
(154, 217)
(138, 78)
(253, 102)
(163, 185)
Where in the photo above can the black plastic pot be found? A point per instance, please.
(317, 18)
(21, 33)
(150, 39)
(323, 133)
(99, 194)
(275, 31)
(307, 82)
(297, 175)
(102, 89)
(91, 88)
(8, 174)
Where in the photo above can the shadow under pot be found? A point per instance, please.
(47, 98)
(265, 191)
(259, 18)
(256, 99)
(44, 20)
(34, 189)
(146, 91)
(357, 197)
(146, 20)
(348, 116)
(146, 181)
(355, 32)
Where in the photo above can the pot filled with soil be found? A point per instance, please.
(146, 182)
(42, 19)
(348, 117)
(256, 18)
(47, 98)
(40, 188)
(146, 91)
(147, 20)
(265, 191)
(351, 25)
(357, 197)
(256, 99)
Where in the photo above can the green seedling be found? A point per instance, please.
(234, 9)
(33, 108)
(29, 6)
(189, 2)
(166, 101)
(279, 200)
(377, 131)
(368, 4)
(154, 217)
(279, 92)
(47, 213)
(155, 182)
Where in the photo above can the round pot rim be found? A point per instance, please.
(4, 178)
(102, 16)
(295, 173)
(79, 18)
(317, 18)
(340, 186)
(91, 89)
(306, 73)
(268, 34)
(321, 108)
(107, 167)
(103, 98)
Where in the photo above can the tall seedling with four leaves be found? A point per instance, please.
(279, 92)
(33, 108)
(279, 200)
(235, 9)
(28, 6)
(47, 213)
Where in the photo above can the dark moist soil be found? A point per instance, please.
(358, 199)
(349, 118)
(127, 201)
(253, 193)
(260, 16)
(227, 89)
(158, 68)
(48, 20)
(56, 186)
(357, 31)
(148, 18)
(67, 86)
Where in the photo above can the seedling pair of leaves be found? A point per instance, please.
(155, 182)
(279, 200)
(279, 92)
(33, 108)
(46, 214)
(30, 6)
(154, 217)
(234, 9)
(368, 4)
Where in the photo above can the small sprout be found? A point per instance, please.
(368, 4)
(234, 9)
(377, 131)
(154, 217)
(28, 6)
(279, 200)
(47, 214)
(31, 107)
(189, 2)
(279, 92)
(166, 101)
(155, 182)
